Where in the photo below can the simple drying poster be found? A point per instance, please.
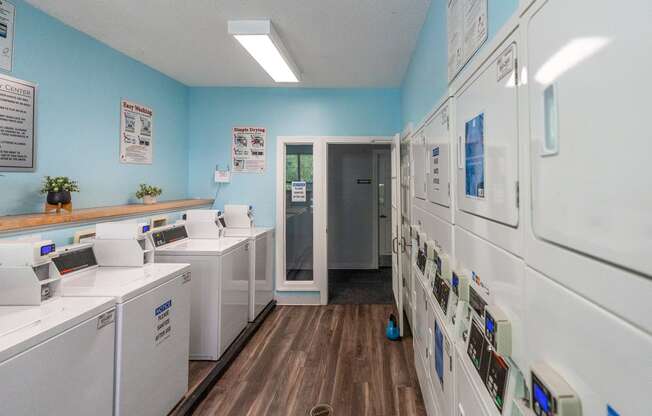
(467, 31)
(136, 133)
(7, 13)
(17, 115)
(474, 157)
(249, 149)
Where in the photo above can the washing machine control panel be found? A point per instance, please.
(497, 329)
(551, 394)
(476, 302)
(477, 349)
(441, 290)
(169, 235)
(496, 381)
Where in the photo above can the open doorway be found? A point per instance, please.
(359, 224)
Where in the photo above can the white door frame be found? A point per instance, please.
(320, 212)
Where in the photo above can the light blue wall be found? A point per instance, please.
(426, 79)
(284, 112)
(80, 84)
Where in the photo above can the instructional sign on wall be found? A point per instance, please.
(299, 191)
(136, 133)
(467, 31)
(7, 14)
(249, 149)
(474, 157)
(17, 115)
(434, 168)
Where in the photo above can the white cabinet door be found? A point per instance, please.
(418, 145)
(486, 128)
(591, 146)
(438, 147)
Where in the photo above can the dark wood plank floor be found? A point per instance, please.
(335, 354)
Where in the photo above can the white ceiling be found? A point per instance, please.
(335, 43)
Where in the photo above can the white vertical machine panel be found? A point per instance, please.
(152, 352)
(589, 93)
(234, 294)
(262, 291)
(604, 359)
(438, 230)
(438, 153)
(486, 127)
(418, 165)
(69, 374)
(501, 275)
(468, 400)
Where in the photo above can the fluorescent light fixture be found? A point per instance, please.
(574, 52)
(259, 38)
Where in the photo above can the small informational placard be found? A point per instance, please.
(136, 133)
(434, 167)
(474, 157)
(17, 115)
(7, 15)
(162, 320)
(505, 64)
(249, 149)
(467, 31)
(299, 191)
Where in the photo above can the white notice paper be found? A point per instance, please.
(299, 191)
(136, 133)
(17, 114)
(7, 13)
(467, 31)
(249, 149)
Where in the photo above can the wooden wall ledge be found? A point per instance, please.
(11, 223)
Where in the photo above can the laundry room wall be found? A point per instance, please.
(80, 84)
(284, 112)
(426, 79)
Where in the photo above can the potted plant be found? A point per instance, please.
(58, 189)
(148, 193)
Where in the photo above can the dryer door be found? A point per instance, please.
(589, 94)
(487, 139)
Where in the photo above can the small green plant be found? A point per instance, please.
(59, 184)
(148, 190)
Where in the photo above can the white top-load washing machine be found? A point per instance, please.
(56, 353)
(239, 223)
(152, 315)
(219, 289)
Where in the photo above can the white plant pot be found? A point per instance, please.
(148, 200)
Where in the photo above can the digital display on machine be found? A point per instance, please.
(47, 249)
(489, 323)
(146, 228)
(496, 381)
(421, 260)
(168, 236)
(542, 401)
(455, 282)
(73, 261)
(222, 222)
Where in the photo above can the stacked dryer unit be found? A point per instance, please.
(551, 268)
(56, 353)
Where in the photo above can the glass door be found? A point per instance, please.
(299, 213)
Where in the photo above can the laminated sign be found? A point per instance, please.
(299, 191)
(136, 133)
(17, 114)
(249, 149)
(163, 322)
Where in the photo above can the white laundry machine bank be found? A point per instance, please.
(56, 353)
(152, 326)
(219, 289)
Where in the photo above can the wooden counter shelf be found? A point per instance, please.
(13, 223)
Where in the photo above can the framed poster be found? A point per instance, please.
(136, 133)
(249, 149)
(467, 31)
(474, 157)
(17, 125)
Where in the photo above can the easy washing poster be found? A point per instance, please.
(474, 157)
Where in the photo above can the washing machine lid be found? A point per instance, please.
(122, 283)
(252, 233)
(201, 247)
(22, 327)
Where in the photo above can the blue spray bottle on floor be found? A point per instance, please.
(392, 331)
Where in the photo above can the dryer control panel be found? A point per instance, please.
(551, 394)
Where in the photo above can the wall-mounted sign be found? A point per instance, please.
(136, 133)
(249, 149)
(17, 115)
(7, 13)
(467, 31)
(299, 191)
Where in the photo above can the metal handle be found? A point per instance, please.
(403, 244)
(459, 152)
(394, 247)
